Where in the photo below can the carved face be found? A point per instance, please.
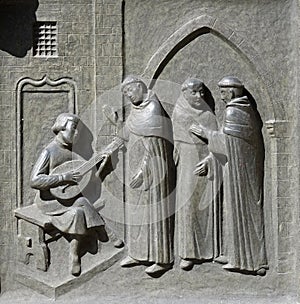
(134, 92)
(69, 133)
(194, 96)
(226, 94)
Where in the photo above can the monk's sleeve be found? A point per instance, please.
(118, 142)
(216, 142)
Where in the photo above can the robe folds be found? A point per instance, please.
(149, 209)
(242, 140)
(198, 198)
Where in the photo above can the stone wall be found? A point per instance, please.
(108, 76)
(89, 52)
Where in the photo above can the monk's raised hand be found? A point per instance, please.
(198, 130)
(110, 114)
(137, 180)
(201, 168)
(176, 155)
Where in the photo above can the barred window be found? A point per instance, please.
(45, 39)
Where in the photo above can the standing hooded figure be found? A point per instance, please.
(198, 201)
(242, 142)
(149, 207)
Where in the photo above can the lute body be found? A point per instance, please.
(84, 167)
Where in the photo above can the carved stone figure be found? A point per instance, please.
(198, 201)
(240, 139)
(147, 134)
(70, 212)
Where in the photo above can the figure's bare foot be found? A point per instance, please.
(261, 272)
(129, 262)
(186, 264)
(118, 243)
(75, 266)
(102, 234)
(74, 257)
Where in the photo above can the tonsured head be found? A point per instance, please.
(134, 89)
(230, 87)
(193, 90)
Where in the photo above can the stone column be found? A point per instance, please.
(283, 211)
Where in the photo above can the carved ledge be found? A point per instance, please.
(278, 128)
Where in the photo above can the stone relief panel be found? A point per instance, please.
(240, 141)
(219, 207)
(150, 179)
(207, 48)
(216, 155)
(60, 231)
(199, 190)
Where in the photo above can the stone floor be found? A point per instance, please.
(206, 283)
(205, 299)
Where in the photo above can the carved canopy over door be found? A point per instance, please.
(38, 104)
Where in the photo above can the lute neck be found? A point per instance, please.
(89, 164)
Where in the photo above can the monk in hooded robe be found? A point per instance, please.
(198, 200)
(241, 141)
(147, 135)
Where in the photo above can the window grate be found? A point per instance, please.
(45, 39)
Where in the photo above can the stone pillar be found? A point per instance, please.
(283, 210)
(108, 77)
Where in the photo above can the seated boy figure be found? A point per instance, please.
(73, 217)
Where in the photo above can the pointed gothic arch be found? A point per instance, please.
(205, 24)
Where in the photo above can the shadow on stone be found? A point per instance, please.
(261, 272)
(16, 24)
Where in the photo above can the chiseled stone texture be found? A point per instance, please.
(265, 32)
(176, 286)
(108, 77)
(83, 30)
(93, 51)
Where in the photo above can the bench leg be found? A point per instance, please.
(31, 243)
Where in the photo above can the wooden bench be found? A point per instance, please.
(35, 232)
(32, 228)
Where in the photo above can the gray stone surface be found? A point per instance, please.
(150, 176)
(100, 41)
(176, 286)
(199, 204)
(211, 56)
(240, 141)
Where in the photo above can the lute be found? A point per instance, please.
(82, 166)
